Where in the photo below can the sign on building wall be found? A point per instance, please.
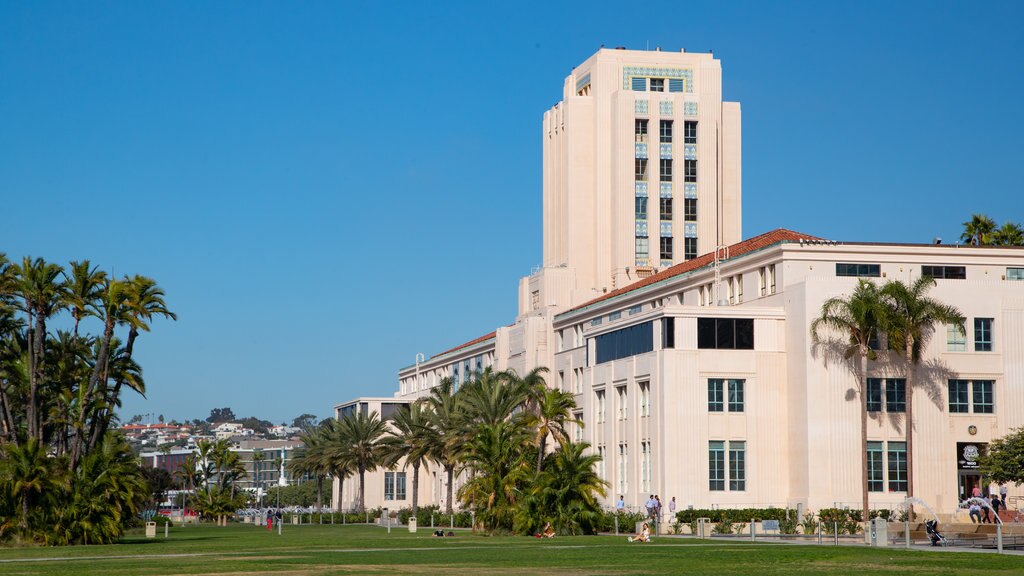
(967, 454)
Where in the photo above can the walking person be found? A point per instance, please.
(1002, 495)
(650, 506)
(672, 510)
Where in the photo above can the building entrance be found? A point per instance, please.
(968, 473)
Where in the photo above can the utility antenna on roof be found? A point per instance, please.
(721, 253)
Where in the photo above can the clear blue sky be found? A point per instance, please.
(244, 155)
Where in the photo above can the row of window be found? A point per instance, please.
(665, 206)
(956, 338)
(665, 170)
(862, 270)
(394, 485)
(719, 468)
(665, 248)
(895, 467)
(665, 131)
(725, 333)
(717, 390)
(656, 84)
(961, 398)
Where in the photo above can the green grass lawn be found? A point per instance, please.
(244, 549)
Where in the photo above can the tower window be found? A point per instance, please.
(689, 248)
(657, 84)
(666, 169)
(690, 132)
(690, 209)
(666, 131)
(665, 208)
(641, 208)
(691, 171)
(640, 129)
(641, 169)
(666, 248)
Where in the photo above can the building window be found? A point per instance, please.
(897, 467)
(599, 407)
(579, 380)
(691, 171)
(614, 315)
(771, 279)
(639, 84)
(623, 466)
(640, 130)
(876, 473)
(735, 395)
(716, 395)
(738, 282)
(1015, 273)
(666, 248)
(725, 333)
(666, 131)
(657, 84)
(983, 402)
(641, 169)
(642, 252)
(645, 399)
(620, 393)
(641, 208)
(665, 205)
(602, 470)
(690, 132)
(716, 466)
(645, 466)
(689, 248)
(578, 427)
(958, 397)
(668, 332)
(737, 466)
(666, 169)
(859, 270)
(945, 272)
(874, 399)
(561, 380)
(762, 285)
(690, 209)
(394, 485)
(625, 342)
(895, 395)
(983, 334)
(956, 338)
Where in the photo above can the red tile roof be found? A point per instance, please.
(777, 236)
(467, 344)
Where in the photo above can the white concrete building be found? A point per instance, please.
(695, 376)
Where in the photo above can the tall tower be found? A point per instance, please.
(641, 167)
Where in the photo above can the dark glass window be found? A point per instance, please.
(690, 132)
(641, 169)
(861, 270)
(895, 395)
(874, 400)
(665, 205)
(735, 395)
(640, 130)
(691, 171)
(737, 465)
(641, 208)
(666, 131)
(668, 332)
(983, 393)
(716, 395)
(666, 169)
(876, 472)
(897, 467)
(958, 396)
(716, 466)
(945, 272)
(689, 248)
(725, 333)
(666, 248)
(690, 209)
(982, 334)
(624, 343)
(657, 84)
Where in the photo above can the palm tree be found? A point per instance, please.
(411, 431)
(1009, 234)
(443, 434)
(83, 289)
(42, 296)
(312, 460)
(28, 474)
(565, 494)
(859, 318)
(258, 457)
(978, 230)
(365, 448)
(499, 453)
(338, 461)
(912, 316)
(551, 416)
(492, 397)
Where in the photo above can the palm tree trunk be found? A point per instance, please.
(449, 470)
(909, 390)
(320, 493)
(98, 371)
(864, 437)
(415, 487)
(541, 448)
(362, 489)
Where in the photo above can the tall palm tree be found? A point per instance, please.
(551, 416)
(338, 461)
(411, 431)
(41, 293)
(366, 448)
(1009, 234)
(499, 453)
(83, 289)
(492, 397)
(312, 460)
(565, 493)
(911, 318)
(978, 230)
(444, 431)
(859, 318)
(28, 474)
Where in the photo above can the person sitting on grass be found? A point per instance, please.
(438, 533)
(548, 532)
(644, 536)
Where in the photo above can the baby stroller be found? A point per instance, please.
(932, 528)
